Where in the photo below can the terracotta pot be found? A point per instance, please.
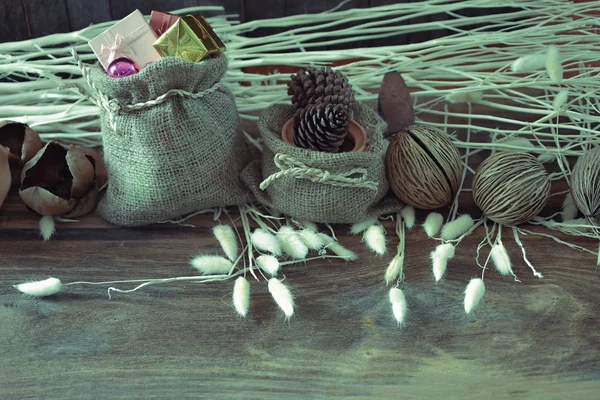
(356, 140)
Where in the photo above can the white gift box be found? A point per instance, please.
(131, 37)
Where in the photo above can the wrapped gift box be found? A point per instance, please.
(131, 37)
(210, 31)
(160, 22)
(190, 38)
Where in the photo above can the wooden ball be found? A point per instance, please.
(423, 167)
(585, 183)
(511, 188)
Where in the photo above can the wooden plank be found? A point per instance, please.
(13, 21)
(311, 7)
(46, 17)
(389, 41)
(305, 7)
(261, 9)
(122, 8)
(258, 9)
(85, 13)
(316, 6)
(184, 340)
(422, 36)
(415, 37)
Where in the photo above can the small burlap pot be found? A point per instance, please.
(317, 186)
(171, 138)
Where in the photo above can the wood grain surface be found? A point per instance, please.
(45, 17)
(538, 339)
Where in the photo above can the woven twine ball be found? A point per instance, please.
(423, 167)
(585, 183)
(511, 188)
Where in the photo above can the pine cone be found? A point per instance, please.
(321, 127)
(320, 85)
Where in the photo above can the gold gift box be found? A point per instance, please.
(190, 38)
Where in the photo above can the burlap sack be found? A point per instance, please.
(317, 186)
(172, 143)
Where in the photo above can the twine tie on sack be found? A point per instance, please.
(113, 107)
(119, 44)
(291, 166)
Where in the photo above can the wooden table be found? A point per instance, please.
(538, 339)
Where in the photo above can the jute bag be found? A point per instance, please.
(172, 143)
(317, 186)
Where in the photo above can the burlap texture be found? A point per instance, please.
(318, 201)
(175, 155)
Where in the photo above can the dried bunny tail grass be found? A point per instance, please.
(268, 264)
(554, 64)
(569, 209)
(471, 96)
(311, 226)
(362, 226)
(211, 265)
(576, 226)
(282, 296)
(408, 215)
(311, 239)
(394, 269)
(44, 288)
(47, 227)
(560, 99)
(265, 241)
(228, 241)
(374, 237)
(546, 158)
(399, 307)
(529, 63)
(337, 248)
(241, 296)
(453, 229)
(439, 259)
(433, 223)
(473, 294)
(501, 259)
(291, 243)
(581, 227)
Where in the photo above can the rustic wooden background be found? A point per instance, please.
(23, 19)
(538, 339)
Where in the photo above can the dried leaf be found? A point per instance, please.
(5, 177)
(23, 143)
(46, 203)
(85, 205)
(61, 182)
(49, 170)
(82, 170)
(101, 176)
(394, 103)
(12, 135)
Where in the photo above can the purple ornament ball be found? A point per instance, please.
(122, 66)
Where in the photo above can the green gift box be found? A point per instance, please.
(190, 38)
